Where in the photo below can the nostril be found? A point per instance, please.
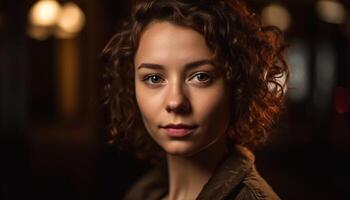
(184, 107)
(176, 100)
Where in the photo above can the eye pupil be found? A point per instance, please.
(155, 79)
(202, 77)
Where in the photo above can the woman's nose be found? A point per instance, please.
(177, 100)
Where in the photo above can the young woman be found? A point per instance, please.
(194, 85)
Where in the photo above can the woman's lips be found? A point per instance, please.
(179, 130)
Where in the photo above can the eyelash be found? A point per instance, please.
(206, 82)
(147, 77)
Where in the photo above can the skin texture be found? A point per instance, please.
(176, 92)
(193, 97)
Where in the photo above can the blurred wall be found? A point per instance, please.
(53, 125)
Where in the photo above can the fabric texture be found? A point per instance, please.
(236, 178)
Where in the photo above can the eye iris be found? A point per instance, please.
(202, 77)
(154, 79)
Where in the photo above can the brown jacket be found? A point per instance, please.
(235, 178)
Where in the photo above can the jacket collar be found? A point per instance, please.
(225, 179)
(228, 174)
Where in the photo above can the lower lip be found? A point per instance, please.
(178, 132)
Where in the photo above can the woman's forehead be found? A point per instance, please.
(164, 42)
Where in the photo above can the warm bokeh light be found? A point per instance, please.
(276, 15)
(71, 21)
(38, 32)
(48, 16)
(331, 11)
(44, 13)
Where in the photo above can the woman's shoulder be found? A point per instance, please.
(255, 187)
(237, 178)
(152, 185)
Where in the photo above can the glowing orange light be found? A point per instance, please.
(276, 15)
(44, 13)
(71, 21)
(331, 11)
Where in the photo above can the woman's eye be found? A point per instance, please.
(152, 79)
(202, 78)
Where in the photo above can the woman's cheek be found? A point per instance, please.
(208, 102)
(149, 105)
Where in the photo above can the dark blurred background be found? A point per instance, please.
(53, 125)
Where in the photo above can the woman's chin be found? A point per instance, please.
(179, 148)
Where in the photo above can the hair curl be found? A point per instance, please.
(250, 55)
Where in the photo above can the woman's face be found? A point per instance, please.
(177, 83)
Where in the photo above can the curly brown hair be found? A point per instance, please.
(250, 55)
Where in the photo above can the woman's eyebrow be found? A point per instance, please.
(190, 65)
(150, 66)
(199, 63)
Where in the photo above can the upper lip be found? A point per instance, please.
(180, 126)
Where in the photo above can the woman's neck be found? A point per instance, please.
(188, 174)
